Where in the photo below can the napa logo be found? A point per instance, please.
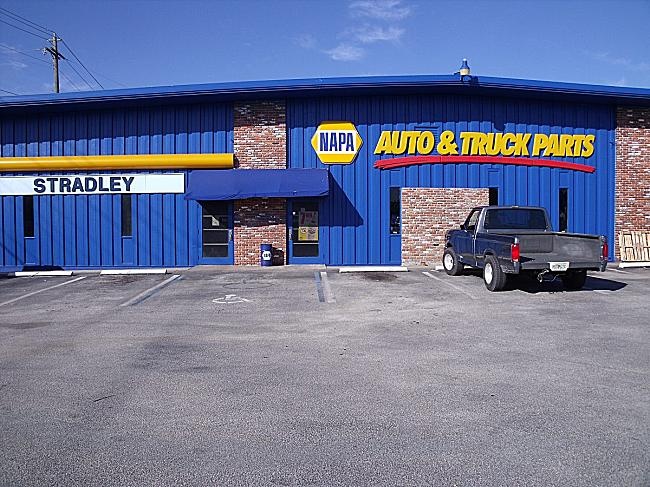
(336, 142)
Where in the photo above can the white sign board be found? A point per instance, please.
(79, 184)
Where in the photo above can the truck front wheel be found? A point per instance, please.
(493, 276)
(574, 280)
(450, 263)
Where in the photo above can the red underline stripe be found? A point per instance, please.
(510, 161)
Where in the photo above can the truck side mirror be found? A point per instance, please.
(462, 226)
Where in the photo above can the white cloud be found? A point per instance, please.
(379, 15)
(619, 82)
(620, 61)
(306, 41)
(346, 52)
(14, 64)
(380, 9)
(11, 59)
(368, 34)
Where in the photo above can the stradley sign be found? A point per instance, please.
(79, 184)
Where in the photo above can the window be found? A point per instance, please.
(564, 210)
(515, 219)
(395, 211)
(494, 196)
(28, 216)
(127, 224)
(470, 223)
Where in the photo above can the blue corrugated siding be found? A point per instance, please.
(357, 210)
(85, 231)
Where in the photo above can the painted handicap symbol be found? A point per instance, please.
(231, 299)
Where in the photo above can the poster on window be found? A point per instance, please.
(308, 226)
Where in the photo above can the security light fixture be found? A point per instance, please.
(463, 73)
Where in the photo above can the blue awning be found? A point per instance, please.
(237, 184)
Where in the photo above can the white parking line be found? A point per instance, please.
(618, 270)
(148, 292)
(587, 287)
(327, 290)
(428, 274)
(599, 291)
(42, 290)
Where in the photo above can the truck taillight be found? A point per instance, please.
(514, 252)
(605, 254)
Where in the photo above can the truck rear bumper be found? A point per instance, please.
(539, 266)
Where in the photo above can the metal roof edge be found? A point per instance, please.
(304, 86)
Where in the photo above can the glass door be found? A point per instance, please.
(216, 232)
(304, 232)
(395, 227)
(30, 231)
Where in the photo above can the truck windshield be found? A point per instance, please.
(515, 219)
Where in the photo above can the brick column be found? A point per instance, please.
(427, 213)
(260, 142)
(632, 172)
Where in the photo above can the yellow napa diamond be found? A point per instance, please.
(336, 142)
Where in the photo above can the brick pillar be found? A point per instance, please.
(427, 213)
(632, 172)
(260, 142)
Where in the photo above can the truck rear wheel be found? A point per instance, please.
(574, 280)
(450, 263)
(494, 278)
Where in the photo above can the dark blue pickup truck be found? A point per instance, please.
(507, 240)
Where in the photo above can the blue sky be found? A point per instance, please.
(147, 43)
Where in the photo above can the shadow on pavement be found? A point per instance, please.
(532, 286)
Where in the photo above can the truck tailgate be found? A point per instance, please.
(541, 248)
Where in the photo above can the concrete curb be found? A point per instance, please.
(624, 265)
(373, 268)
(42, 273)
(121, 272)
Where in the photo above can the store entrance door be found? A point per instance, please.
(216, 232)
(304, 232)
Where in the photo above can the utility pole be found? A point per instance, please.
(56, 55)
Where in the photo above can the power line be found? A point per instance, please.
(70, 81)
(6, 91)
(5, 46)
(40, 28)
(82, 64)
(23, 20)
(79, 74)
(101, 75)
(20, 28)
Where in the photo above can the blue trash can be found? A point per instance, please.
(266, 255)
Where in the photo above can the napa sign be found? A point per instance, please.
(415, 147)
(340, 142)
(395, 142)
(336, 142)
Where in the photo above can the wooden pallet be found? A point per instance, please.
(634, 246)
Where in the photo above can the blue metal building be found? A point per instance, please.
(353, 222)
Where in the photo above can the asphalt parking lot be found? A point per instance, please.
(304, 376)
